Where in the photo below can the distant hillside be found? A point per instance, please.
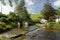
(35, 16)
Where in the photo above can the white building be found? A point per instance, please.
(57, 18)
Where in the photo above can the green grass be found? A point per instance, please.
(35, 16)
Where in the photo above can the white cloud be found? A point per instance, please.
(57, 3)
(29, 2)
(6, 9)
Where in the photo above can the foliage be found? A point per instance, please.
(57, 26)
(3, 2)
(2, 25)
(58, 11)
(20, 7)
(48, 11)
(2, 37)
(8, 21)
(37, 25)
(51, 24)
(50, 27)
(12, 16)
(10, 2)
(8, 26)
(54, 25)
(24, 15)
(22, 11)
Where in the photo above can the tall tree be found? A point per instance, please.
(58, 11)
(48, 11)
(20, 6)
(22, 11)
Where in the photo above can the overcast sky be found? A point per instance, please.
(33, 6)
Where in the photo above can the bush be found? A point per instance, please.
(50, 27)
(37, 25)
(8, 26)
(57, 26)
(2, 25)
(51, 24)
(2, 37)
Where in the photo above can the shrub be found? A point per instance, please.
(2, 25)
(2, 37)
(50, 27)
(37, 25)
(8, 26)
(57, 26)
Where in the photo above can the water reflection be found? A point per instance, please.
(41, 34)
(51, 36)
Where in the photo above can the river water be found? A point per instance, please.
(41, 34)
(38, 34)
